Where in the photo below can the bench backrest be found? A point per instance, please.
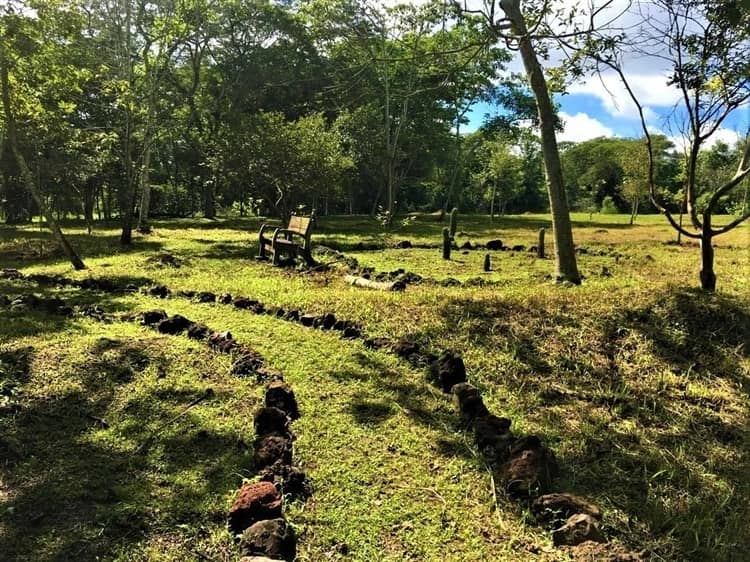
(300, 224)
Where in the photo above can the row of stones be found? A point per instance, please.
(525, 465)
(255, 517)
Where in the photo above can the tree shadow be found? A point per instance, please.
(682, 470)
(80, 490)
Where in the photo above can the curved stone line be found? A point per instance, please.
(525, 464)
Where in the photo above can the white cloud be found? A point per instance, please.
(651, 90)
(723, 134)
(581, 127)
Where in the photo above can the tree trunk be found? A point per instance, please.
(565, 258)
(492, 202)
(707, 275)
(26, 175)
(143, 225)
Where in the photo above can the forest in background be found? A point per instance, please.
(128, 109)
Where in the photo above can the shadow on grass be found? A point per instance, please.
(82, 487)
(681, 473)
(412, 398)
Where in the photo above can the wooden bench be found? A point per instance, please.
(294, 240)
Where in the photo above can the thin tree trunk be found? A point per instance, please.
(707, 275)
(492, 201)
(143, 225)
(565, 258)
(26, 175)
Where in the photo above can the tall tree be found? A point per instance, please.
(25, 49)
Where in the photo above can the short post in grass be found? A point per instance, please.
(453, 218)
(487, 263)
(446, 243)
(540, 246)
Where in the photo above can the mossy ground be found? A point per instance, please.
(638, 382)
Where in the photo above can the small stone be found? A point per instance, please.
(270, 449)
(559, 507)
(153, 317)
(198, 331)
(247, 364)
(243, 303)
(205, 297)
(450, 282)
(403, 244)
(530, 469)
(495, 245)
(404, 348)
(254, 502)
(225, 298)
(161, 291)
(292, 315)
(291, 480)
(280, 395)
(350, 333)
(327, 321)
(447, 371)
(377, 343)
(578, 528)
(469, 402)
(174, 325)
(271, 421)
(467, 246)
(273, 538)
(518, 248)
(307, 320)
(493, 437)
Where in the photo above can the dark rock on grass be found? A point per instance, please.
(493, 437)
(225, 298)
(403, 245)
(466, 246)
(327, 321)
(131, 288)
(410, 278)
(243, 303)
(469, 402)
(450, 282)
(160, 291)
(9, 273)
(307, 320)
(280, 313)
(174, 325)
(377, 343)
(205, 297)
(270, 449)
(495, 245)
(292, 315)
(530, 469)
(273, 538)
(280, 395)
(186, 294)
(582, 250)
(404, 348)
(448, 370)
(351, 333)
(198, 331)
(271, 421)
(289, 479)
(254, 502)
(96, 312)
(340, 325)
(518, 248)
(264, 374)
(558, 508)
(579, 528)
(247, 364)
(215, 339)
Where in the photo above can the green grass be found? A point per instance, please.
(637, 381)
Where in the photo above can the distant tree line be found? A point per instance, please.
(132, 109)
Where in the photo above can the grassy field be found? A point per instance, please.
(637, 381)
